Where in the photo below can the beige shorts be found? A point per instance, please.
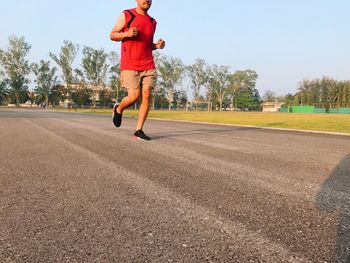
(131, 79)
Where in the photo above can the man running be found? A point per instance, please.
(135, 29)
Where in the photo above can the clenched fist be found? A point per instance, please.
(160, 44)
(133, 32)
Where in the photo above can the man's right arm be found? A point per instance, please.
(117, 33)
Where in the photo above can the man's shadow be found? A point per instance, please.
(333, 196)
(188, 132)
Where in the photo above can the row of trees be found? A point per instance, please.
(324, 92)
(210, 83)
(98, 78)
(97, 81)
(75, 84)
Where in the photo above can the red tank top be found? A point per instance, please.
(136, 53)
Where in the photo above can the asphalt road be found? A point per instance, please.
(73, 188)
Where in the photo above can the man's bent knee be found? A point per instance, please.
(133, 95)
(146, 93)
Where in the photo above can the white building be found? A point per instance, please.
(272, 106)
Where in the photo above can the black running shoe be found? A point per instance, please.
(117, 117)
(139, 134)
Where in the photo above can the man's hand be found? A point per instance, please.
(117, 33)
(132, 32)
(160, 44)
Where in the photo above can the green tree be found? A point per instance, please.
(3, 88)
(256, 100)
(160, 100)
(288, 99)
(198, 74)
(326, 91)
(82, 92)
(16, 67)
(346, 93)
(180, 99)
(45, 80)
(114, 72)
(219, 83)
(3, 91)
(236, 86)
(64, 60)
(171, 72)
(248, 100)
(309, 92)
(105, 97)
(269, 96)
(243, 83)
(81, 96)
(57, 94)
(343, 99)
(95, 67)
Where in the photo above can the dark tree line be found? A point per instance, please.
(322, 93)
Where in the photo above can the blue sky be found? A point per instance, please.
(283, 41)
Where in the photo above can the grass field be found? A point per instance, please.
(315, 122)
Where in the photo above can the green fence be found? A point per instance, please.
(333, 110)
(301, 109)
(283, 110)
(312, 109)
(320, 110)
(344, 110)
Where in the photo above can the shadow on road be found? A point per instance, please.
(157, 136)
(333, 196)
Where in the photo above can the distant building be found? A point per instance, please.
(272, 106)
(95, 94)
